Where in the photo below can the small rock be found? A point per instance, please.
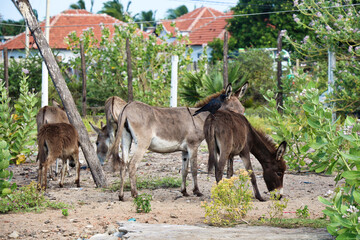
(173, 215)
(89, 226)
(103, 237)
(47, 221)
(74, 220)
(14, 235)
(111, 229)
(121, 233)
(45, 231)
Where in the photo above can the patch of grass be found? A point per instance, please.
(292, 223)
(149, 183)
(28, 199)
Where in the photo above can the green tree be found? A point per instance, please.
(261, 29)
(147, 17)
(176, 12)
(217, 45)
(115, 9)
(79, 5)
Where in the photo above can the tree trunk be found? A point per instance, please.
(97, 172)
(226, 50)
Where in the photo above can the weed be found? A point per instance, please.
(142, 203)
(303, 212)
(65, 212)
(149, 183)
(276, 207)
(27, 199)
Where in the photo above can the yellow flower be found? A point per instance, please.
(20, 159)
(15, 117)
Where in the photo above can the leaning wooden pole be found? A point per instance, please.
(97, 172)
(279, 98)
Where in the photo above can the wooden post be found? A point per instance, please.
(279, 97)
(129, 71)
(83, 70)
(97, 172)
(225, 73)
(6, 71)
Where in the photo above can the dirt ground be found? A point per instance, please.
(94, 209)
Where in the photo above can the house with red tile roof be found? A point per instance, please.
(60, 26)
(202, 26)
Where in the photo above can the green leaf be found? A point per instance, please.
(309, 108)
(346, 236)
(351, 175)
(314, 123)
(347, 137)
(356, 196)
(324, 201)
(350, 156)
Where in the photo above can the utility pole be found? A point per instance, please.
(45, 73)
(27, 33)
(174, 80)
(129, 71)
(331, 67)
(6, 70)
(83, 71)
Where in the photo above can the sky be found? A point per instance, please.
(9, 11)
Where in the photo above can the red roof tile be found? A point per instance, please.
(64, 23)
(203, 24)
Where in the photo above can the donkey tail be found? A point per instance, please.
(211, 142)
(114, 149)
(42, 148)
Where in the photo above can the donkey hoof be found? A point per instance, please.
(198, 194)
(121, 198)
(61, 185)
(185, 194)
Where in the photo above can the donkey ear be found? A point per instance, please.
(241, 92)
(96, 129)
(281, 151)
(228, 91)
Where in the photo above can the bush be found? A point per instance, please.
(5, 175)
(143, 203)
(231, 200)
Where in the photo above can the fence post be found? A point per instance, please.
(174, 80)
(226, 48)
(6, 71)
(129, 71)
(279, 97)
(83, 70)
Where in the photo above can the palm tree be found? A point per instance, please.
(115, 9)
(148, 18)
(79, 5)
(177, 12)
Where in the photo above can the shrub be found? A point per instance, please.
(18, 126)
(231, 200)
(5, 175)
(276, 207)
(303, 212)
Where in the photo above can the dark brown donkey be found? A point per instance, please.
(106, 134)
(58, 140)
(51, 114)
(164, 130)
(228, 134)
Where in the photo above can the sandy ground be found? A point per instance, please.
(94, 210)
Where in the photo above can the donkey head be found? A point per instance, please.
(274, 171)
(102, 142)
(232, 101)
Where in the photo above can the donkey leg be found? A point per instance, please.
(219, 167)
(184, 172)
(194, 169)
(138, 155)
(77, 169)
(63, 172)
(125, 148)
(230, 168)
(245, 156)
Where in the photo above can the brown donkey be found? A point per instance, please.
(228, 134)
(106, 134)
(164, 130)
(58, 140)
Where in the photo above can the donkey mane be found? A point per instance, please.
(205, 101)
(267, 140)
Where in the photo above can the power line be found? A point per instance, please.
(189, 19)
